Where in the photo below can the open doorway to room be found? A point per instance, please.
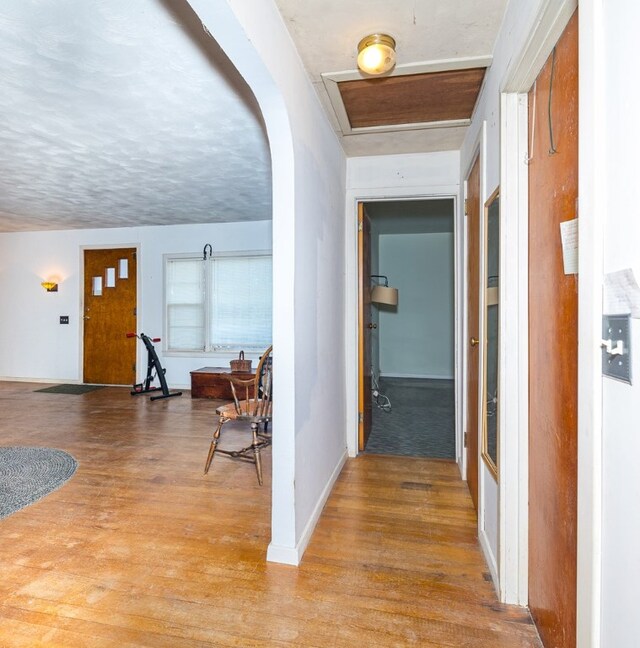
(407, 348)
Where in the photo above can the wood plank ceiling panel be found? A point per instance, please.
(411, 98)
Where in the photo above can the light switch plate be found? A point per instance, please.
(617, 328)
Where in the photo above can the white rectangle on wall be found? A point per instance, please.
(569, 236)
(621, 293)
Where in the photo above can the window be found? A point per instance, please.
(221, 304)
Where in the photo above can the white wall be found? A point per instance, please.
(621, 402)
(33, 345)
(416, 338)
(308, 168)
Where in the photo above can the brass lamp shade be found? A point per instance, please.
(50, 286)
(384, 295)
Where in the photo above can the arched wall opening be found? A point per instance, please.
(308, 188)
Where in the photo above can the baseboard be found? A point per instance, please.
(490, 559)
(55, 381)
(68, 381)
(293, 555)
(406, 375)
(283, 555)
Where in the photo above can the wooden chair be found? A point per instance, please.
(252, 405)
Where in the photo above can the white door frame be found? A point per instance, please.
(351, 343)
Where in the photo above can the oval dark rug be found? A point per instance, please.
(28, 474)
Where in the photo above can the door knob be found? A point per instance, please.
(373, 326)
(86, 317)
(474, 342)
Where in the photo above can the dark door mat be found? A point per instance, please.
(70, 389)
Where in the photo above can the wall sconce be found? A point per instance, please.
(376, 54)
(384, 294)
(50, 286)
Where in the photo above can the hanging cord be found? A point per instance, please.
(381, 401)
(528, 157)
(552, 146)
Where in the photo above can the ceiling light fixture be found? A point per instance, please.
(376, 54)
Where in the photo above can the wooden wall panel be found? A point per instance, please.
(553, 346)
(411, 98)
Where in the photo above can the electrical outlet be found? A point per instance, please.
(64, 319)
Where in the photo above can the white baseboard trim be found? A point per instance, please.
(293, 555)
(56, 381)
(69, 381)
(490, 558)
(406, 375)
(283, 555)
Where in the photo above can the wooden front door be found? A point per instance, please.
(109, 314)
(364, 327)
(553, 347)
(473, 325)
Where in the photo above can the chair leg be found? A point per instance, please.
(214, 444)
(256, 452)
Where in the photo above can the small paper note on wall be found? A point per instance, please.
(621, 293)
(569, 236)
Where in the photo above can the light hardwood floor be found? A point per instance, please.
(141, 549)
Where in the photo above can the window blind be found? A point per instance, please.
(220, 304)
(240, 310)
(185, 295)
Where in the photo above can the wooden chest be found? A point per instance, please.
(213, 382)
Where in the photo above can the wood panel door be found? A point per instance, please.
(109, 314)
(553, 347)
(364, 328)
(473, 326)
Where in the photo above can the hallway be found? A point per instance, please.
(140, 549)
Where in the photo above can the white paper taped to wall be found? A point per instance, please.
(569, 236)
(621, 293)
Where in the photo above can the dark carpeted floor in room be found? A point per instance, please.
(421, 422)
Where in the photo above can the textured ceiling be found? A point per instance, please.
(326, 33)
(118, 113)
(124, 112)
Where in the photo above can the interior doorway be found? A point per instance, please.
(407, 403)
(109, 313)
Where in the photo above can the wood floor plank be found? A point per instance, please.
(140, 548)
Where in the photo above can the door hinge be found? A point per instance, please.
(133, 367)
(135, 256)
(466, 212)
(135, 311)
(360, 417)
(360, 226)
(465, 439)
